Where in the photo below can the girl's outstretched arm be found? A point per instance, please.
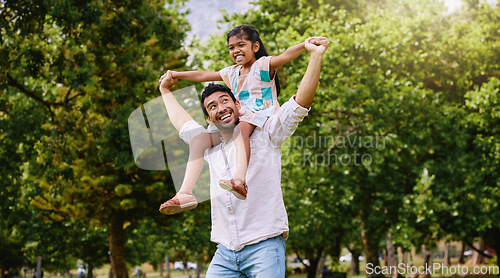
(285, 57)
(289, 54)
(178, 116)
(197, 75)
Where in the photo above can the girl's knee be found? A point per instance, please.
(245, 128)
(200, 140)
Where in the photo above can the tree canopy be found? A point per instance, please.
(402, 138)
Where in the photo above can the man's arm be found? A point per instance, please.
(309, 83)
(197, 75)
(178, 116)
(291, 113)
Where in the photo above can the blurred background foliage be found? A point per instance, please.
(401, 146)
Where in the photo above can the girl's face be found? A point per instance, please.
(242, 51)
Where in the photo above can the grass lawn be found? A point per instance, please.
(103, 272)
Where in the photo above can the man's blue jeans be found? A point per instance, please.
(265, 259)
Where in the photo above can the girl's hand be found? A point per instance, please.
(316, 44)
(167, 81)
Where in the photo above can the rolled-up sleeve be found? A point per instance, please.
(284, 123)
(189, 130)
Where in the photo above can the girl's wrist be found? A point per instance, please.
(164, 90)
(317, 54)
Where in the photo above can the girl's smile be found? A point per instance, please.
(242, 51)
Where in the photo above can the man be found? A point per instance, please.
(81, 272)
(250, 233)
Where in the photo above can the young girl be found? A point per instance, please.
(254, 83)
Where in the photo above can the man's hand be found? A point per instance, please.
(167, 81)
(316, 44)
(178, 116)
(307, 88)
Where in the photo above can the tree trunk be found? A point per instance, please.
(334, 252)
(370, 247)
(160, 266)
(461, 257)
(313, 266)
(90, 273)
(447, 253)
(405, 257)
(198, 268)
(477, 258)
(427, 262)
(313, 261)
(355, 262)
(495, 238)
(185, 267)
(167, 266)
(117, 241)
(321, 264)
(39, 267)
(411, 257)
(391, 261)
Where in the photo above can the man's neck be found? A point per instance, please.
(226, 135)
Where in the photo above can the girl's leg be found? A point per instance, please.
(241, 138)
(197, 147)
(242, 144)
(184, 199)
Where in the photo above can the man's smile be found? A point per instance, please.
(225, 117)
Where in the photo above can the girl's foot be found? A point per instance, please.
(180, 202)
(236, 186)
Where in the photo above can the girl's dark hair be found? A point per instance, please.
(250, 33)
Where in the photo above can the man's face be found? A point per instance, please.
(223, 112)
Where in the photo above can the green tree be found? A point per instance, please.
(481, 187)
(455, 201)
(394, 73)
(19, 130)
(83, 67)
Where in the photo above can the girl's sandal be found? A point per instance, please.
(236, 186)
(180, 202)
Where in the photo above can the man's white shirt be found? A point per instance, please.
(237, 223)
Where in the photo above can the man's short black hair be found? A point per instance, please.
(212, 88)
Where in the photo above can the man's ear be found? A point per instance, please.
(208, 120)
(238, 104)
(256, 47)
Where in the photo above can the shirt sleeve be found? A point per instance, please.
(284, 123)
(189, 130)
(262, 69)
(224, 74)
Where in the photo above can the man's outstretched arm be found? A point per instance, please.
(309, 84)
(292, 112)
(178, 116)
